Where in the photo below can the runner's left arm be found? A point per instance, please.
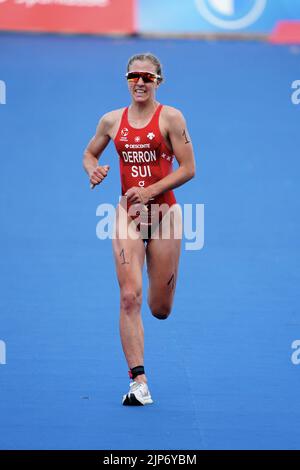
(183, 151)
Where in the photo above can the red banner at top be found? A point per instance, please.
(69, 16)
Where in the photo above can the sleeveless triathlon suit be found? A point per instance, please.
(144, 157)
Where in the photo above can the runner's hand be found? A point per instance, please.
(138, 195)
(98, 175)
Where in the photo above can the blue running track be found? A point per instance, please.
(220, 368)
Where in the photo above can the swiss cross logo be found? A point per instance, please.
(150, 135)
(137, 139)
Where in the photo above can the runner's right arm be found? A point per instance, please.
(94, 150)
